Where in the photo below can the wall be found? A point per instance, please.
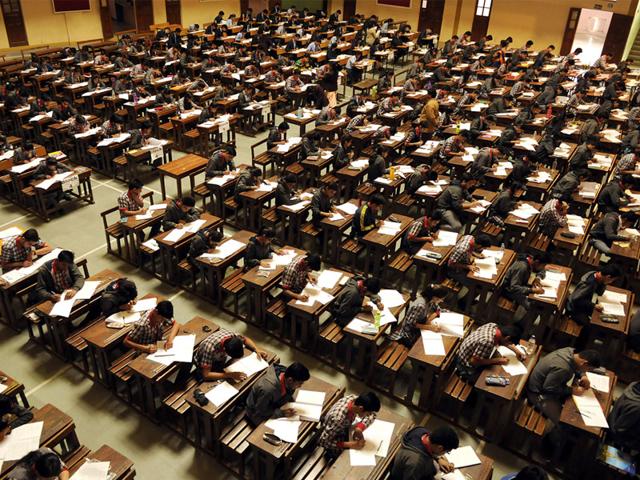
(335, 5)
(633, 33)
(159, 11)
(371, 7)
(195, 11)
(312, 5)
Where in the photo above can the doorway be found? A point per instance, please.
(123, 15)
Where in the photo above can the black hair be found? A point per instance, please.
(514, 332)
(483, 240)
(377, 199)
(255, 171)
(215, 235)
(165, 309)
(297, 372)
(135, 184)
(234, 347)
(31, 235)
(6, 404)
(531, 472)
(333, 186)
(611, 270)
(128, 288)
(290, 178)
(628, 216)
(313, 259)
(592, 357)
(188, 201)
(48, 465)
(66, 256)
(372, 284)
(368, 401)
(266, 232)
(434, 290)
(446, 437)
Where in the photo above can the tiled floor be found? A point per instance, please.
(99, 417)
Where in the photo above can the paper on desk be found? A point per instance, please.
(227, 248)
(555, 277)
(23, 439)
(432, 343)
(590, 409)
(525, 211)
(611, 296)
(391, 298)
(463, 457)
(266, 187)
(145, 304)
(248, 365)
(3, 387)
(194, 226)
(429, 189)
(598, 382)
(315, 295)
(445, 239)
(10, 232)
(296, 207)
(285, 429)
(310, 397)
(362, 326)
(348, 208)
(487, 267)
(221, 393)
(26, 166)
(91, 470)
(328, 279)
(306, 411)
(452, 323)
(377, 439)
(548, 292)
(515, 367)
(181, 351)
(455, 475)
(175, 235)
(62, 308)
(87, 290)
(123, 318)
(152, 245)
(144, 216)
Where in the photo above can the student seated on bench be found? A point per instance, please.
(260, 247)
(22, 250)
(56, 276)
(43, 463)
(148, 331)
(580, 303)
(624, 419)
(119, 296)
(337, 432)
(211, 356)
(297, 275)
(421, 455)
(274, 389)
(179, 212)
(12, 415)
(352, 299)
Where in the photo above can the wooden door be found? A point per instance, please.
(570, 31)
(431, 15)
(173, 12)
(349, 9)
(144, 15)
(258, 5)
(617, 35)
(14, 23)
(481, 17)
(105, 21)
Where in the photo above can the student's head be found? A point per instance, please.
(65, 258)
(577, 51)
(187, 203)
(582, 173)
(434, 292)
(30, 237)
(610, 273)
(164, 309)
(6, 404)
(291, 180)
(443, 439)
(135, 186)
(265, 235)
(467, 182)
(531, 472)
(627, 219)
(529, 43)
(376, 202)
(587, 359)
(482, 241)
(127, 289)
(212, 236)
(234, 347)
(48, 465)
(295, 375)
(510, 334)
(539, 261)
(331, 189)
(551, 48)
(366, 403)
(372, 285)
(314, 262)
(255, 172)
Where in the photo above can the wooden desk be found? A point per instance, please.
(187, 166)
(380, 246)
(431, 268)
(119, 466)
(613, 335)
(252, 202)
(332, 231)
(137, 156)
(516, 227)
(13, 388)
(483, 286)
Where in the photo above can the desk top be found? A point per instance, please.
(183, 167)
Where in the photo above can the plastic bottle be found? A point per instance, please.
(532, 344)
(392, 172)
(376, 319)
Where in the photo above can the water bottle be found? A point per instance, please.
(376, 319)
(532, 344)
(392, 172)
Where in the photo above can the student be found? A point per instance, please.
(131, 203)
(286, 190)
(633, 338)
(212, 355)
(503, 204)
(477, 349)
(530, 472)
(119, 296)
(149, 330)
(420, 313)
(466, 249)
(612, 196)
(297, 275)
(351, 299)
(22, 250)
(568, 184)
(273, 390)
(515, 286)
(57, 276)
(322, 203)
(203, 241)
(259, 248)
(607, 230)
(337, 432)
(553, 216)
(421, 455)
(41, 464)
(580, 303)
(624, 419)
(221, 163)
(366, 217)
(421, 230)
(12, 415)
(249, 179)
(180, 212)
(453, 201)
(548, 386)
(277, 135)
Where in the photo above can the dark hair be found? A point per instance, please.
(216, 235)
(266, 232)
(6, 404)
(135, 184)
(234, 347)
(483, 240)
(531, 472)
(297, 372)
(188, 201)
(31, 235)
(165, 309)
(332, 186)
(290, 178)
(372, 284)
(128, 288)
(611, 270)
(377, 199)
(313, 259)
(48, 465)
(628, 216)
(368, 401)
(514, 332)
(446, 437)
(255, 171)
(66, 256)
(434, 290)
(592, 357)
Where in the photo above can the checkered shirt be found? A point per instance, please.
(417, 228)
(337, 422)
(550, 216)
(479, 343)
(12, 252)
(356, 121)
(294, 277)
(417, 313)
(145, 333)
(61, 278)
(126, 203)
(211, 350)
(626, 162)
(462, 251)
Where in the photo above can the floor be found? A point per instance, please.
(102, 419)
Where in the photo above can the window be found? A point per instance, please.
(483, 8)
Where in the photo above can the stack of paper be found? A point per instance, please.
(348, 208)
(181, 351)
(391, 298)
(175, 235)
(10, 232)
(308, 405)
(92, 470)
(157, 206)
(285, 429)
(296, 207)
(359, 164)
(525, 211)
(266, 187)
(590, 409)
(221, 180)
(284, 258)
(613, 303)
(432, 343)
(598, 382)
(481, 207)
(221, 393)
(248, 365)
(194, 226)
(575, 224)
(121, 319)
(451, 323)
(515, 367)
(225, 250)
(315, 295)
(335, 217)
(23, 439)
(540, 176)
(328, 279)
(588, 189)
(62, 308)
(487, 267)
(152, 245)
(377, 439)
(26, 166)
(445, 238)
(145, 304)
(430, 189)
(362, 326)
(463, 457)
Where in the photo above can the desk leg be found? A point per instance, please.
(163, 187)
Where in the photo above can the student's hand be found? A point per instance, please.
(238, 376)
(537, 290)
(358, 444)
(303, 297)
(168, 344)
(445, 465)
(27, 263)
(357, 434)
(289, 412)
(55, 298)
(152, 348)
(502, 361)
(367, 308)
(577, 390)
(179, 225)
(6, 431)
(599, 307)
(380, 305)
(70, 293)
(520, 355)
(584, 382)
(262, 353)
(143, 210)
(473, 268)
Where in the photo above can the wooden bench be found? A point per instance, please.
(567, 328)
(331, 335)
(530, 425)
(365, 191)
(399, 265)
(191, 140)
(203, 192)
(491, 229)
(166, 130)
(505, 309)
(122, 376)
(390, 360)
(262, 160)
(277, 312)
(312, 466)
(78, 348)
(309, 232)
(185, 268)
(352, 248)
(328, 178)
(231, 204)
(235, 446)
(120, 164)
(457, 392)
(115, 230)
(234, 286)
(588, 259)
(178, 409)
(270, 218)
(403, 203)
(628, 365)
(537, 243)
